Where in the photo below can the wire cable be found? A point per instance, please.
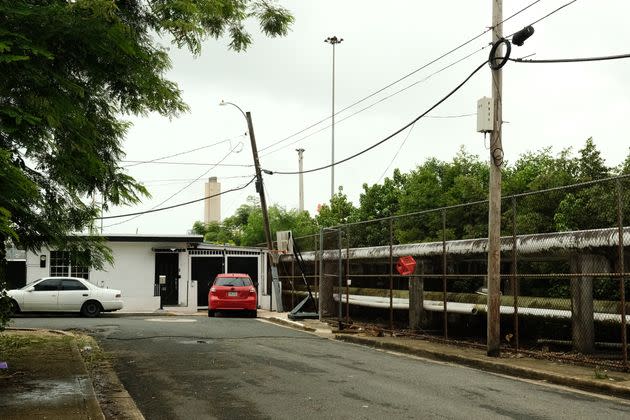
(240, 144)
(400, 79)
(383, 99)
(242, 187)
(191, 163)
(546, 16)
(141, 162)
(573, 60)
(396, 155)
(448, 95)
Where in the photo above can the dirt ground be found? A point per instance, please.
(46, 376)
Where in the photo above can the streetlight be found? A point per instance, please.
(333, 40)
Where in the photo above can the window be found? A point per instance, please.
(233, 281)
(61, 265)
(69, 284)
(47, 285)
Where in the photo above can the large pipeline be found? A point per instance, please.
(469, 308)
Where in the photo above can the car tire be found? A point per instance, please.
(210, 313)
(253, 314)
(15, 308)
(91, 309)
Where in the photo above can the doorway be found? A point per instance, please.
(204, 270)
(167, 264)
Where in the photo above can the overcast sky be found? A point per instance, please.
(286, 84)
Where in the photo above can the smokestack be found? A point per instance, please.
(212, 206)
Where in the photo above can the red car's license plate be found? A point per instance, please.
(232, 294)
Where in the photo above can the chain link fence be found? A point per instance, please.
(564, 277)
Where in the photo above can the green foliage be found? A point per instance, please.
(246, 227)
(70, 70)
(338, 212)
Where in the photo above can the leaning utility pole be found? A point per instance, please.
(259, 181)
(494, 211)
(275, 283)
(301, 181)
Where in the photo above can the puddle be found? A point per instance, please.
(47, 391)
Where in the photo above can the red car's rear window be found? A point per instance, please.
(233, 281)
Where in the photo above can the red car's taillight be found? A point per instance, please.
(213, 290)
(252, 291)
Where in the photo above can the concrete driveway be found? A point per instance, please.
(232, 368)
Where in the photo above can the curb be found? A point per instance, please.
(502, 368)
(291, 324)
(90, 402)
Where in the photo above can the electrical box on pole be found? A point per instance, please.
(485, 115)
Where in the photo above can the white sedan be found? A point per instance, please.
(65, 294)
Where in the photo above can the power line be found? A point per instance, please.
(388, 137)
(181, 180)
(383, 99)
(546, 16)
(140, 162)
(463, 44)
(190, 163)
(573, 60)
(184, 187)
(242, 187)
(396, 155)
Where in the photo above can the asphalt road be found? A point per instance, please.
(231, 368)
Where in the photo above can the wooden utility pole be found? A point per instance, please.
(494, 213)
(259, 181)
(275, 284)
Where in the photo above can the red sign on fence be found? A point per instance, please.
(406, 265)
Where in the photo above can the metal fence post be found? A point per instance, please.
(622, 288)
(391, 274)
(515, 289)
(347, 276)
(340, 277)
(321, 270)
(444, 285)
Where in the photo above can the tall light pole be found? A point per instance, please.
(333, 40)
(301, 181)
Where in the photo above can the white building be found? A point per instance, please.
(188, 264)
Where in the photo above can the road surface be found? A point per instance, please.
(231, 368)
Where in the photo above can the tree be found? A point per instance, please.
(338, 212)
(70, 71)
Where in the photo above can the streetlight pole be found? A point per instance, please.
(301, 181)
(333, 40)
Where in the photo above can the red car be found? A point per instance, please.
(232, 292)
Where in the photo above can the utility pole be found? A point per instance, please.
(494, 213)
(333, 40)
(301, 181)
(263, 205)
(259, 181)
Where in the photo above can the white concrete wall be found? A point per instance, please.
(133, 272)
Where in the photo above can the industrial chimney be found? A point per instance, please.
(212, 206)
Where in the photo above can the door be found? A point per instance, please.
(242, 264)
(204, 270)
(42, 296)
(72, 294)
(167, 264)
